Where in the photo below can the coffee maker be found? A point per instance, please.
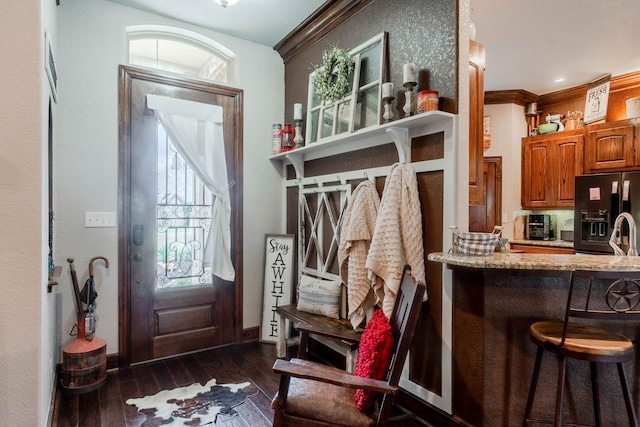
(539, 227)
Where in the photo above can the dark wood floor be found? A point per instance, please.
(237, 363)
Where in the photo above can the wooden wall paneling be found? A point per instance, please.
(426, 350)
(476, 115)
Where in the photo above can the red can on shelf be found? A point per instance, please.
(427, 100)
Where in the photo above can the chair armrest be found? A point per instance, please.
(337, 333)
(315, 371)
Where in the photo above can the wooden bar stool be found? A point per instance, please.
(599, 295)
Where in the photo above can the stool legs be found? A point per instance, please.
(562, 365)
(534, 384)
(595, 392)
(633, 419)
(562, 372)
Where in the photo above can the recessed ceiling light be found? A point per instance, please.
(560, 80)
(225, 3)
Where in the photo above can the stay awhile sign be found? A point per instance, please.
(278, 282)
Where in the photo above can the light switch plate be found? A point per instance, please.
(505, 218)
(99, 219)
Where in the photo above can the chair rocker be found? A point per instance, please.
(313, 394)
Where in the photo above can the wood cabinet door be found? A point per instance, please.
(484, 217)
(609, 147)
(537, 185)
(549, 166)
(476, 118)
(567, 162)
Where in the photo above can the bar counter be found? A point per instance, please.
(495, 298)
(551, 262)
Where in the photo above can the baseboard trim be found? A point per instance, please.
(250, 334)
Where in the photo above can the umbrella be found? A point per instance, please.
(88, 293)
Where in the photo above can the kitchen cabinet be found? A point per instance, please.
(476, 119)
(611, 147)
(549, 165)
(539, 249)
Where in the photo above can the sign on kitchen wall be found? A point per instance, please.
(278, 282)
(597, 99)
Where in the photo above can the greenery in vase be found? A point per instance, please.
(331, 80)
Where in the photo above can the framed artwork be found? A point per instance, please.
(279, 259)
(595, 107)
(50, 67)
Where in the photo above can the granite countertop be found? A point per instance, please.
(522, 261)
(553, 243)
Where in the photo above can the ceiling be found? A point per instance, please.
(529, 45)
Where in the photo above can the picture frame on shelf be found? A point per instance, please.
(279, 268)
(595, 108)
(361, 106)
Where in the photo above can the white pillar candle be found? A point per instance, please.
(410, 73)
(387, 90)
(297, 111)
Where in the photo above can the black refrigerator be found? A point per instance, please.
(599, 199)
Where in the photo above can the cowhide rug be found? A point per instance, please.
(194, 405)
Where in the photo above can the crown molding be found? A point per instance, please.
(324, 20)
(519, 97)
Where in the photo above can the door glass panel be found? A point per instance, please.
(183, 207)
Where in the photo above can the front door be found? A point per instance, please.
(170, 303)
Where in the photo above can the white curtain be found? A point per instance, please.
(196, 131)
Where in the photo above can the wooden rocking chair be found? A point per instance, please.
(312, 394)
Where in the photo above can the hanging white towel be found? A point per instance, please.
(397, 239)
(355, 237)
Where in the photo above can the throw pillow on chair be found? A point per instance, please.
(374, 354)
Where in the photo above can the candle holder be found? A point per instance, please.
(409, 99)
(388, 115)
(299, 140)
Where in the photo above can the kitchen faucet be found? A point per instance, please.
(616, 235)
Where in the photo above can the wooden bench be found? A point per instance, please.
(344, 340)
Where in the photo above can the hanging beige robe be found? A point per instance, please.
(397, 238)
(355, 237)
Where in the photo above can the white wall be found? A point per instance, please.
(91, 45)
(508, 127)
(26, 370)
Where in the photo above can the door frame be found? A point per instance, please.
(125, 75)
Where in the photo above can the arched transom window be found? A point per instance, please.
(180, 51)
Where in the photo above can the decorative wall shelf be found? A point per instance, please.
(400, 132)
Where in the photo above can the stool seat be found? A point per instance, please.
(593, 297)
(583, 342)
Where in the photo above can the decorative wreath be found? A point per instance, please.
(331, 80)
